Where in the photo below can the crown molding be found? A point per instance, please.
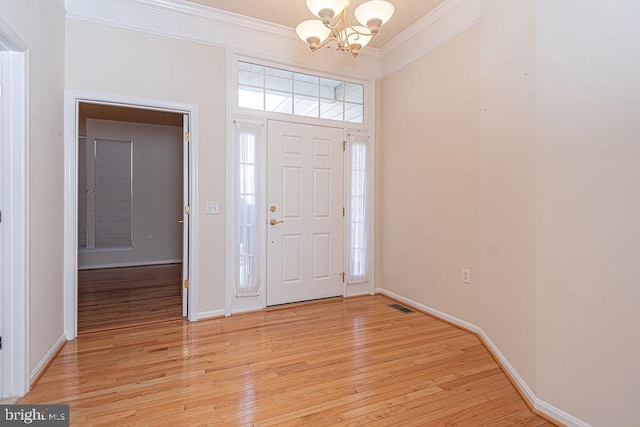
(222, 18)
(193, 22)
(446, 21)
(228, 19)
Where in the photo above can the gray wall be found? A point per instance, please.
(157, 193)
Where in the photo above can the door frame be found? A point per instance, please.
(72, 99)
(235, 305)
(234, 112)
(14, 282)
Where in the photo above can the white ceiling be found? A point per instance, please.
(291, 12)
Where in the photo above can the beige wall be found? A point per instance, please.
(588, 208)
(537, 195)
(116, 61)
(429, 188)
(506, 182)
(157, 192)
(40, 25)
(558, 97)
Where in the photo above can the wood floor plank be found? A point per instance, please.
(340, 362)
(113, 298)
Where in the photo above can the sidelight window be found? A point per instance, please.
(359, 221)
(246, 241)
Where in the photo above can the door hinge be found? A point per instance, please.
(186, 137)
(186, 283)
(343, 274)
(344, 145)
(0, 216)
(187, 210)
(0, 343)
(343, 211)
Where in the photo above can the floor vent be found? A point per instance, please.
(400, 308)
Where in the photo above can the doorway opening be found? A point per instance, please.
(130, 187)
(130, 216)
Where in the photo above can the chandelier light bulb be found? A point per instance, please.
(326, 9)
(374, 14)
(356, 38)
(334, 26)
(312, 32)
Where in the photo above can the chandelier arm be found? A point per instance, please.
(331, 37)
(346, 36)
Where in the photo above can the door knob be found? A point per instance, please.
(181, 221)
(274, 222)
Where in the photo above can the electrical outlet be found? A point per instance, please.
(466, 275)
(149, 239)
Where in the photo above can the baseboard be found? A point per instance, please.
(437, 313)
(543, 408)
(210, 314)
(558, 414)
(129, 264)
(42, 366)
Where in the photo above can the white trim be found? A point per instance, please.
(192, 22)
(129, 264)
(542, 406)
(558, 414)
(14, 282)
(72, 98)
(210, 314)
(197, 23)
(437, 313)
(192, 303)
(47, 358)
(230, 196)
(446, 21)
(522, 385)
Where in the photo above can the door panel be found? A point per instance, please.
(305, 191)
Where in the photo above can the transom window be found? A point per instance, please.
(281, 91)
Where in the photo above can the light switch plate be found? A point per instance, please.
(212, 208)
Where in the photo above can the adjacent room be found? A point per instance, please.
(130, 225)
(320, 212)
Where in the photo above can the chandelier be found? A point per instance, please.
(334, 24)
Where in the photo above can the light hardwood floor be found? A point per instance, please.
(338, 362)
(114, 298)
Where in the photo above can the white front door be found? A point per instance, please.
(305, 212)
